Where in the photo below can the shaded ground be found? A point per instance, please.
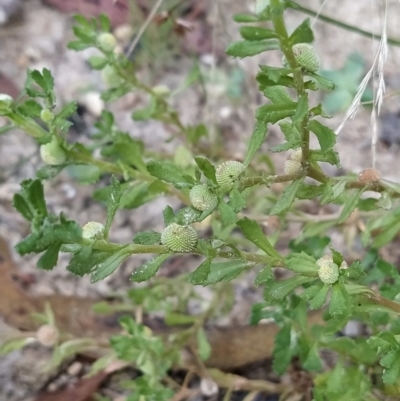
(37, 37)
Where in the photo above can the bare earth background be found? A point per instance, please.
(36, 37)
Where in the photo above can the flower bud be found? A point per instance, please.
(293, 162)
(179, 238)
(228, 173)
(202, 198)
(93, 230)
(5, 103)
(46, 115)
(369, 175)
(47, 335)
(328, 271)
(306, 57)
(161, 90)
(52, 153)
(107, 42)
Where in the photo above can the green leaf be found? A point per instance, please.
(340, 301)
(264, 275)
(236, 200)
(313, 361)
(22, 206)
(287, 197)
(252, 33)
(301, 109)
(330, 156)
(149, 269)
(302, 34)
(49, 259)
(33, 191)
(168, 215)
(226, 271)
(272, 113)
(206, 167)
(391, 375)
(326, 137)
(277, 94)
(170, 173)
(204, 347)
(228, 215)
(104, 269)
(46, 172)
(147, 238)
(257, 139)
(30, 108)
(253, 232)
(303, 264)
(84, 174)
(245, 18)
(277, 290)
(319, 299)
(199, 276)
(246, 48)
(387, 235)
(85, 260)
(290, 131)
(188, 215)
(350, 204)
(98, 62)
(112, 203)
(323, 82)
(331, 194)
(282, 352)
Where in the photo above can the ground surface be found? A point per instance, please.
(36, 38)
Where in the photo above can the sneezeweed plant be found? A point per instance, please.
(224, 192)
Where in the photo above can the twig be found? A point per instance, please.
(143, 28)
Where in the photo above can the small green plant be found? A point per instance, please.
(318, 276)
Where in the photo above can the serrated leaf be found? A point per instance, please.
(149, 269)
(226, 271)
(228, 215)
(332, 193)
(85, 260)
(204, 347)
(302, 34)
(84, 174)
(340, 301)
(302, 263)
(330, 156)
(170, 173)
(236, 200)
(277, 94)
(264, 275)
(391, 375)
(34, 194)
(206, 167)
(282, 352)
(319, 298)
(287, 197)
(290, 131)
(49, 259)
(277, 290)
(22, 206)
(257, 139)
(46, 172)
(313, 361)
(104, 269)
(30, 108)
(147, 238)
(252, 33)
(326, 137)
(253, 232)
(272, 113)
(199, 276)
(246, 48)
(301, 109)
(168, 215)
(350, 204)
(323, 82)
(113, 203)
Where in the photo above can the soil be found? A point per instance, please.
(35, 36)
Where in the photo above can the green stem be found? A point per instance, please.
(340, 24)
(28, 125)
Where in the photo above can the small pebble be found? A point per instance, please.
(75, 368)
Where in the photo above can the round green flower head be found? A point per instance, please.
(107, 42)
(5, 103)
(228, 173)
(93, 230)
(306, 57)
(202, 198)
(179, 238)
(328, 271)
(46, 115)
(52, 153)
